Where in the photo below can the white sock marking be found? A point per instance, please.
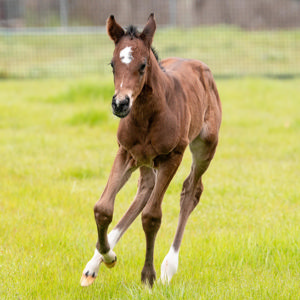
(92, 267)
(169, 266)
(126, 55)
(113, 238)
(109, 257)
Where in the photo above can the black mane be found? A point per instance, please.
(133, 32)
(154, 51)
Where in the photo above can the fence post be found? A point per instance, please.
(63, 11)
(173, 12)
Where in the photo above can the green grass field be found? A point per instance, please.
(227, 50)
(57, 144)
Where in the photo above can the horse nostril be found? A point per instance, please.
(124, 104)
(127, 100)
(114, 102)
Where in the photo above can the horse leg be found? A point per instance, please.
(122, 169)
(202, 154)
(145, 186)
(151, 215)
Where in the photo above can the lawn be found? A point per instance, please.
(57, 144)
(227, 50)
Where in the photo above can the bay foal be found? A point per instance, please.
(164, 107)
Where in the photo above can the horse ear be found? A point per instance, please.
(148, 31)
(114, 30)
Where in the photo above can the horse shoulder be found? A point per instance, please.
(164, 133)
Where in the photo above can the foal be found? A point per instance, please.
(164, 107)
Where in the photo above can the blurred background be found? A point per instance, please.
(45, 38)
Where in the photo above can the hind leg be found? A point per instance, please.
(203, 153)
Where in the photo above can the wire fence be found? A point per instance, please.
(68, 37)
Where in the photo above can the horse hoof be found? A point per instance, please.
(90, 271)
(111, 264)
(86, 280)
(110, 259)
(148, 276)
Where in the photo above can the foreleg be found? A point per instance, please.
(152, 214)
(122, 168)
(145, 186)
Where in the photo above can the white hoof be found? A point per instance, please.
(169, 266)
(90, 271)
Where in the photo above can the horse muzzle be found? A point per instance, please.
(121, 108)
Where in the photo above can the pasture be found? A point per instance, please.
(227, 50)
(57, 146)
(58, 142)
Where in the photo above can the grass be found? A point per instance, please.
(57, 144)
(227, 50)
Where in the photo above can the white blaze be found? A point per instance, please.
(126, 55)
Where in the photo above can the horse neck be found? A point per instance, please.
(156, 78)
(152, 98)
(155, 85)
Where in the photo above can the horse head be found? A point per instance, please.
(130, 62)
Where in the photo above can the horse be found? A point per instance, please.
(163, 107)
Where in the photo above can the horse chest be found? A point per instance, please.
(138, 145)
(145, 145)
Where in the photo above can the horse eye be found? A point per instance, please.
(142, 68)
